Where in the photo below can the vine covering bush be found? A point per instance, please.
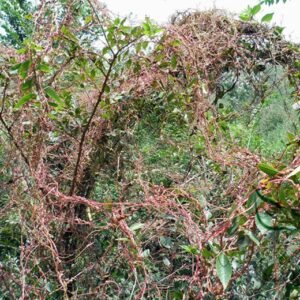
(140, 162)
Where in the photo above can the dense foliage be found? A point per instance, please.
(140, 162)
(16, 21)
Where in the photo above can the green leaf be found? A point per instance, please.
(191, 249)
(15, 67)
(224, 269)
(67, 33)
(253, 202)
(166, 242)
(23, 68)
(150, 28)
(263, 222)
(268, 169)
(252, 237)
(233, 228)
(22, 51)
(27, 84)
(106, 50)
(25, 99)
(246, 15)
(267, 17)
(53, 104)
(52, 94)
(36, 47)
(174, 62)
(147, 28)
(145, 44)
(206, 253)
(88, 19)
(255, 9)
(44, 67)
(28, 17)
(278, 30)
(117, 21)
(175, 43)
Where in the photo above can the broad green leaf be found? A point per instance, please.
(52, 94)
(268, 169)
(36, 47)
(252, 237)
(145, 44)
(106, 50)
(278, 30)
(224, 269)
(150, 28)
(174, 61)
(28, 17)
(147, 28)
(67, 33)
(246, 14)
(253, 202)
(245, 17)
(23, 68)
(263, 222)
(166, 242)
(206, 253)
(25, 99)
(53, 104)
(267, 17)
(88, 19)
(117, 21)
(255, 9)
(27, 84)
(15, 67)
(44, 67)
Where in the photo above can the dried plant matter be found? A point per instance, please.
(70, 119)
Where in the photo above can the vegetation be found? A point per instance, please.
(140, 162)
(16, 21)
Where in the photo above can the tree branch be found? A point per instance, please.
(86, 129)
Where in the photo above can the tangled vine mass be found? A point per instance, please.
(121, 173)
